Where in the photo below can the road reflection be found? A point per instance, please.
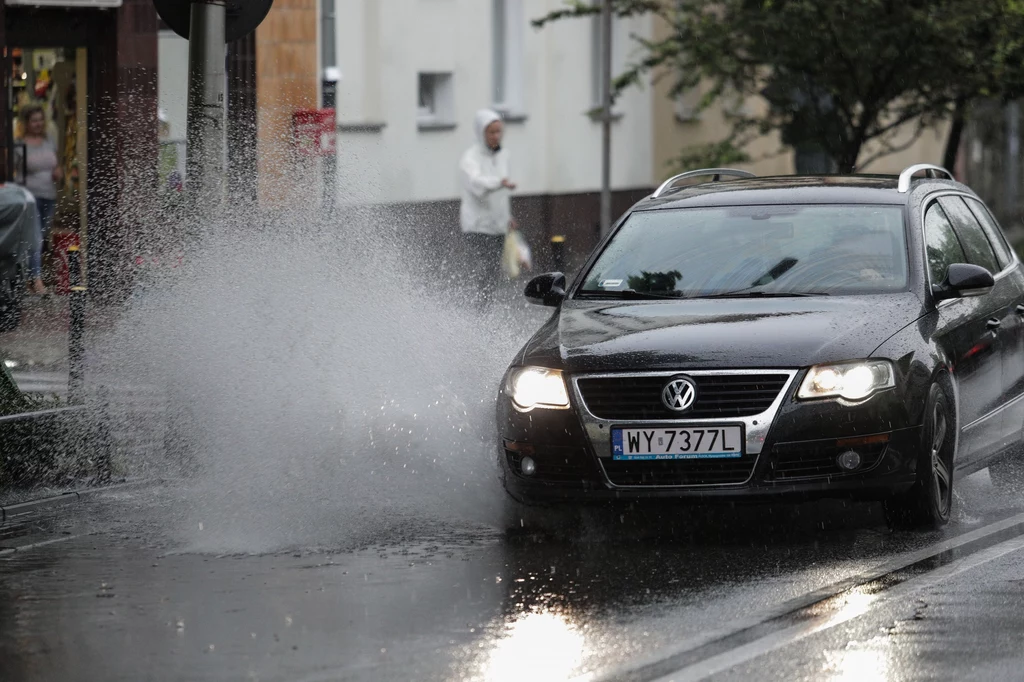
(536, 646)
(861, 661)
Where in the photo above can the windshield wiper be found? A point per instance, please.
(762, 294)
(631, 295)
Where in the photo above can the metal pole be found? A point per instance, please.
(207, 53)
(606, 117)
(6, 108)
(331, 175)
(76, 345)
(558, 252)
(1012, 159)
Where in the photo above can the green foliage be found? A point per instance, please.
(836, 74)
(583, 8)
(713, 155)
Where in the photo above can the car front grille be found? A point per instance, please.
(633, 398)
(678, 472)
(818, 459)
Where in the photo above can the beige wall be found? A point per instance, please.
(928, 148)
(286, 80)
(768, 157)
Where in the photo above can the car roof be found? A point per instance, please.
(795, 189)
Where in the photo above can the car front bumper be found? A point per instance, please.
(795, 458)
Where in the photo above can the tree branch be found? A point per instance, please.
(890, 149)
(581, 8)
(850, 66)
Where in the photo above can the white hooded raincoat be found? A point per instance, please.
(485, 203)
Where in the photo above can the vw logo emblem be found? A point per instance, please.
(679, 394)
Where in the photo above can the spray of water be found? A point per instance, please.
(326, 387)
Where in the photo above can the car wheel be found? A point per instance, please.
(10, 306)
(929, 502)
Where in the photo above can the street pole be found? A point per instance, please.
(606, 117)
(207, 53)
(76, 328)
(1012, 157)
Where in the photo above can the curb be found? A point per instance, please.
(10, 513)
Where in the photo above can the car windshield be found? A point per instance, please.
(753, 251)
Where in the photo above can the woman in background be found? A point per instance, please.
(42, 174)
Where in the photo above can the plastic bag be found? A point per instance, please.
(516, 255)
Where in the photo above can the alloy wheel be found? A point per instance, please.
(941, 477)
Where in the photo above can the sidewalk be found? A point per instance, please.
(36, 353)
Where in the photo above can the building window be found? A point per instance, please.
(734, 103)
(436, 106)
(688, 104)
(508, 24)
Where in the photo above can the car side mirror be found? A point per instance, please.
(964, 280)
(546, 289)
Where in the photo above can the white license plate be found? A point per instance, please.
(681, 442)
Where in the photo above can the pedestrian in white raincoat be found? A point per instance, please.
(485, 214)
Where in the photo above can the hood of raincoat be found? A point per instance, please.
(484, 118)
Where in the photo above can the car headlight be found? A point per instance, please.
(531, 387)
(849, 380)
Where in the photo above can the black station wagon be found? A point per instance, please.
(778, 337)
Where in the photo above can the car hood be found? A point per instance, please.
(718, 333)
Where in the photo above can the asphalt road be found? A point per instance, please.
(105, 590)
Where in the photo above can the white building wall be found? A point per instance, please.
(172, 82)
(384, 44)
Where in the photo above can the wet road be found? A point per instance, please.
(103, 590)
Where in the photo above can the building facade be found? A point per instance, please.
(412, 74)
(679, 125)
(91, 65)
(991, 158)
(271, 73)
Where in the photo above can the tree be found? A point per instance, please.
(835, 74)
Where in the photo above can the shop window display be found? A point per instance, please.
(48, 78)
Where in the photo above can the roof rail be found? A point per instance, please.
(908, 174)
(716, 172)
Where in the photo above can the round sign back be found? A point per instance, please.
(243, 16)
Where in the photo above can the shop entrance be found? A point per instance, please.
(52, 81)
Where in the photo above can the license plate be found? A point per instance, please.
(681, 442)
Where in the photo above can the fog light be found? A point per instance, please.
(849, 460)
(528, 466)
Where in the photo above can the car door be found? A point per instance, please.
(1003, 301)
(965, 330)
(1013, 354)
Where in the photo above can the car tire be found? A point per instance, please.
(929, 503)
(10, 306)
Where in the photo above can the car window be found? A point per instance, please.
(943, 246)
(783, 249)
(992, 230)
(972, 238)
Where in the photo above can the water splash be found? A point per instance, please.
(329, 387)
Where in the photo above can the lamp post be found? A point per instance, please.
(606, 117)
(209, 25)
(207, 54)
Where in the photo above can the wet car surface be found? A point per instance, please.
(774, 337)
